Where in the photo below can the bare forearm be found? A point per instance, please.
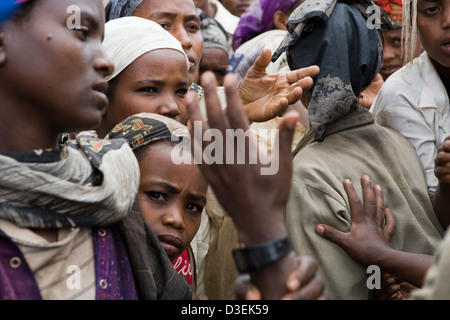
(410, 267)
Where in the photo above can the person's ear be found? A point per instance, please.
(279, 20)
(2, 48)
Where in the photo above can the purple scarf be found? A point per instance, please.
(258, 18)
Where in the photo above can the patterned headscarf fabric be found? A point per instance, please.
(336, 37)
(394, 9)
(128, 38)
(88, 182)
(214, 36)
(258, 18)
(120, 8)
(143, 129)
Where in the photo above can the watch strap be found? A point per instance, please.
(251, 258)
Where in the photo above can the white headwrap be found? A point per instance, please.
(128, 38)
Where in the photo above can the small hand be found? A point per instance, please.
(371, 228)
(393, 288)
(368, 96)
(442, 162)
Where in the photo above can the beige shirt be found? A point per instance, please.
(318, 196)
(437, 281)
(65, 269)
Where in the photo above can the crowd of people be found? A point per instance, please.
(108, 190)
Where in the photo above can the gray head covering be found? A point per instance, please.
(336, 36)
(120, 8)
(214, 35)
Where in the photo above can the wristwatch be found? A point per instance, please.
(251, 258)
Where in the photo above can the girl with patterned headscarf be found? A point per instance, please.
(344, 142)
(171, 196)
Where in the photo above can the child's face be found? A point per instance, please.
(433, 23)
(156, 82)
(171, 198)
(236, 7)
(392, 53)
(180, 18)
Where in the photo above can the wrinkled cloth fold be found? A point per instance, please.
(87, 182)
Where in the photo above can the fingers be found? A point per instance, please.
(313, 290)
(330, 233)
(262, 62)
(442, 162)
(370, 203)
(356, 206)
(306, 270)
(389, 227)
(292, 97)
(304, 283)
(213, 107)
(235, 112)
(380, 208)
(245, 290)
(389, 289)
(299, 74)
(195, 119)
(286, 131)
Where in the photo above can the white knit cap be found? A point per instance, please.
(128, 38)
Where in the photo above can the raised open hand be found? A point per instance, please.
(265, 96)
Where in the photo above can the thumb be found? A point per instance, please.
(263, 60)
(286, 129)
(329, 233)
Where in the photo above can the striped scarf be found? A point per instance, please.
(87, 182)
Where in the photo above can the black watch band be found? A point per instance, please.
(251, 258)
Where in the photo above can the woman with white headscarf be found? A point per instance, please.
(150, 75)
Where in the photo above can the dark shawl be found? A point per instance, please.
(342, 40)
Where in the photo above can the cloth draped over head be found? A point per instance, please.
(394, 10)
(258, 18)
(120, 8)
(214, 35)
(128, 38)
(337, 37)
(141, 129)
